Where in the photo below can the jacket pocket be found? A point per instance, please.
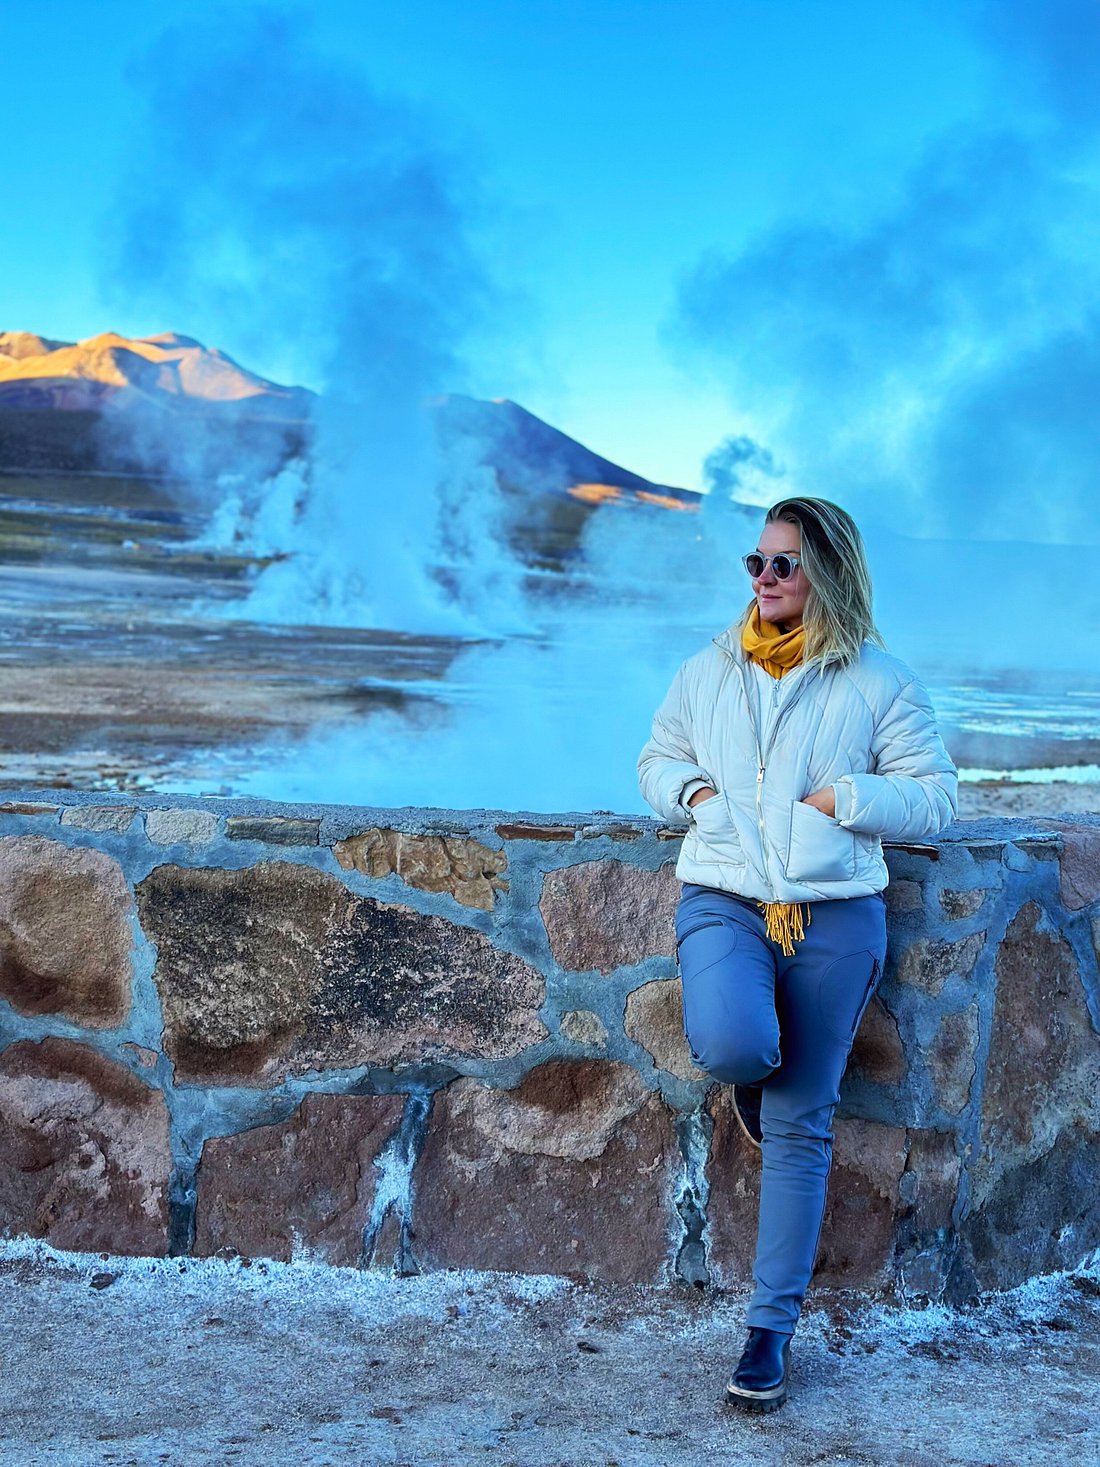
(819, 849)
(715, 834)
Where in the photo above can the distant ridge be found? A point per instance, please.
(525, 451)
(55, 396)
(173, 372)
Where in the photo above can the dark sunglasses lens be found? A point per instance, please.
(782, 566)
(754, 564)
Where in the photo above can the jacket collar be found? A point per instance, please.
(730, 641)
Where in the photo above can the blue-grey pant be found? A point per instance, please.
(755, 1017)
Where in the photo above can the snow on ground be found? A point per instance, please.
(135, 1362)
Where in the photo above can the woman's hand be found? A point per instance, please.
(706, 793)
(823, 800)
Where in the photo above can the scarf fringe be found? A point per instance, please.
(784, 923)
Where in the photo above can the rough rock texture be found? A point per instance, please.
(180, 827)
(582, 1026)
(654, 1018)
(461, 866)
(1080, 864)
(84, 1151)
(65, 932)
(1009, 1238)
(146, 1058)
(526, 830)
(274, 830)
(929, 1187)
(904, 896)
(606, 914)
(302, 1186)
(930, 961)
(951, 1058)
(1080, 868)
(733, 1172)
(116, 818)
(878, 1054)
(862, 1206)
(1043, 1070)
(572, 1172)
(958, 904)
(278, 967)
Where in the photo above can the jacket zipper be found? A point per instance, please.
(760, 763)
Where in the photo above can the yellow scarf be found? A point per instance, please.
(777, 652)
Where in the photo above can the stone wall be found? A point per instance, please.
(425, 1039)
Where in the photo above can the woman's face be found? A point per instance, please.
(781, 602)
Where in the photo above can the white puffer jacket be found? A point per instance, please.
(868, 730)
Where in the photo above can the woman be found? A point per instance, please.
(794, 745)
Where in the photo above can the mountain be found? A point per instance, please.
(72, 406)
(527, 453)
(173, 372)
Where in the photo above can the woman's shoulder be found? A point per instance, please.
(878, 674)
(701, 666)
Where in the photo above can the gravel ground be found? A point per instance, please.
(184, 1362)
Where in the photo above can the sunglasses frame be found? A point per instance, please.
(770, 560)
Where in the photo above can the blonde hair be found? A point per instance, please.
(837, 616)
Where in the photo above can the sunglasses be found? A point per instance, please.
(783, 566)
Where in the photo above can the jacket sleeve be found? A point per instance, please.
(914, 791)
(668, 771)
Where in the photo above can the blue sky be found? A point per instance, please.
(638, 177)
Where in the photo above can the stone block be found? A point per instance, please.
(146, 1058)
(654, 1018)
(461, 866)
(878, 1054)
(928, 962)
(28, 807)
(573, 1172)
(925, 1250)
(904, 896)
(612, 832)
(303, 1186)
(1079, 873)
(951, 1058)
(525, 830)
(1042, 1075)
(733, 1174)
(582, 1026)
(864, 1203)
(84, 1150)
(274, 830)
(180, 827)
(934, 1168)
(101, 818)
(278, 968)
(959, 904)
(65, 933)
(1036, 1217)
(607, 914)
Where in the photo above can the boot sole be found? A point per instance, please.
(757, 1400)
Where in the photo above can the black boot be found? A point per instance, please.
(760, 1381)
(746, 1107)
